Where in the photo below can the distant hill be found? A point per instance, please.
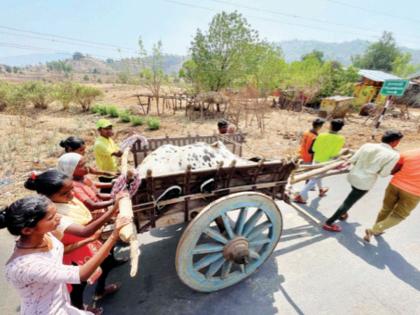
(293, 50)
(342, 52)
(171, 64)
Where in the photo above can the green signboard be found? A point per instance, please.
(394, 87)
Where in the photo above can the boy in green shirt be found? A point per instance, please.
(326, 147)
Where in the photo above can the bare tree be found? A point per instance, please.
(152, 73)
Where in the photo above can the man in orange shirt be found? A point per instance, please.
(402, 194)
(308, 139)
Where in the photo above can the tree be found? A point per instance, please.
(266, 67)
(152, 70)
(220, 53)
(314, 53)
(189, 73)
(401, 65)
(59, 66)
(78, 56)
(379, 55)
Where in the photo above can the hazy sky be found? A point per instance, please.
(120, 23)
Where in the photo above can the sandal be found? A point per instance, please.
(331, 228)
(109, 289)
(94, 310)
(368, 235)
(299, 199)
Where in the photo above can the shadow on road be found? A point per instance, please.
(381, 256)
(157, 289)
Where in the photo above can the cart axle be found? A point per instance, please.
(237, 250)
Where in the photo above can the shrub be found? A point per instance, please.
(112, 111)
(5, 91)
(125, 116)
(153, 123)
(102, 110)
(39, 94)
(136, 120)
(17, 98)
(96, 109)
(85, 95)
(65, 93)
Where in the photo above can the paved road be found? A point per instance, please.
(310, 272)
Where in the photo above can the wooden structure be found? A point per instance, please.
(172, 102)
(207, 105)
(290, 100)
(233, 225)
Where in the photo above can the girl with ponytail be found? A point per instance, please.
(36, 266)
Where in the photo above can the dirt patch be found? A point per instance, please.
(31, 142)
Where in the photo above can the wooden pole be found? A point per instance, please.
(315, 173)
(128, 233)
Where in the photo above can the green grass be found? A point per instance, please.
(112, 111)
(95, 109)
(153, 123)
(124, 116)
(102, 110)
(137, 120)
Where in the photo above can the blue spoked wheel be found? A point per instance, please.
(228, 240)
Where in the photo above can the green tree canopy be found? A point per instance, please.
(220, 53)
(314, 53)
(379, 55)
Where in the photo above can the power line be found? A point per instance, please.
(67, 38)
(35, 48)
(294, 16)
(274, 20)
(374, 11)
(50, 39)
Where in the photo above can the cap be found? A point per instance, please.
(103, 123)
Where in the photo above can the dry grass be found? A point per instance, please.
(30, 142)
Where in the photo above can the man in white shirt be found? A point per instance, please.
(371, 160)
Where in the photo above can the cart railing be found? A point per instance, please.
(268, 177)
(232, 141)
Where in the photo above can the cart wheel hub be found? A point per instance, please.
(237, 250)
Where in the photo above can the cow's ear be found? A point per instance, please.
(215, 144)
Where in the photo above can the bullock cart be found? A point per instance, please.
(233, 224)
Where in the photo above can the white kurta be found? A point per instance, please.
(41, 278)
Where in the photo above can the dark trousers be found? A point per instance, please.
(350, 200)
(76, 295)
(104, 179)
(107, 265)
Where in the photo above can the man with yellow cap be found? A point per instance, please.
(106, 151)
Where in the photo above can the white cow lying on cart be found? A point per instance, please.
(169, 158)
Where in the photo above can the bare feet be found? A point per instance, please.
(323, 191)
(368, 235)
